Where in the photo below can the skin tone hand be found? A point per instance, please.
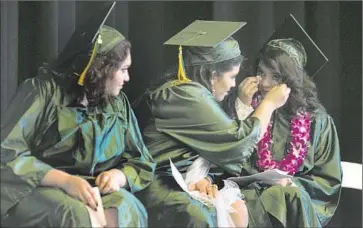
(111, 181)
(79, 188)
(277, 96)
(273, 100)
(247, 88)
(284, 182)
(204, 187)
(74, 186)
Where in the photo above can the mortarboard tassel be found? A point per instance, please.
(84, 72)
(182, 77)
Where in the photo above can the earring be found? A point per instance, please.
(212, 88)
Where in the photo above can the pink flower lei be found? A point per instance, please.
(300, 135)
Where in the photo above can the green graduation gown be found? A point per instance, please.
(41, 131)
(188, 122)
(313, 202)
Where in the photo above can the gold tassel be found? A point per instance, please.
(84, 72)
(182, 77)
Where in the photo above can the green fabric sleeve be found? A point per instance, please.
(20, 129)
(190, 114)
(139, 167)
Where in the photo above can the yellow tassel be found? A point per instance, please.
(84, 72)
(182, 77)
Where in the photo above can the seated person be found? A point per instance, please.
(301, 138)
(71, 124)
(188, 123)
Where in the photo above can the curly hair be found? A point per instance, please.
(101, 70)
(303, 95)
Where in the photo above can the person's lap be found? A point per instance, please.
(48, 207)
(169, 206)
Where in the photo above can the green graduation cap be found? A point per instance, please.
(208, 42)
(294, 40)
(88, 40)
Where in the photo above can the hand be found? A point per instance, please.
(110, 181)
(284, 182)
(247, 88)
(277, 96)
(80, 189)
(204, 187)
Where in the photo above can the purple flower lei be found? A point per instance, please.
(300, 135)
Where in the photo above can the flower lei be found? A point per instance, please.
(300, 135)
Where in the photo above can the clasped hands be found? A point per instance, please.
(205, 187)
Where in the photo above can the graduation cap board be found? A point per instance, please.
(291, 28)
(86, 40)
(207, 41)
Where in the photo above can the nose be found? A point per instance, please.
(127, 77)
(264, 82)
(267, 84)
(233, 83)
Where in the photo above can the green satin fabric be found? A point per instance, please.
(187, 123)
(169, 206)
(42, 131)
(315, 200)
(225, 50)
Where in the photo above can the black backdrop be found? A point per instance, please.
(35, 32)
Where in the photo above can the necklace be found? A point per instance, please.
(300, 135)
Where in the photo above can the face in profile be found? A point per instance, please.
(222, 84)
(269, 78)
(119, 78)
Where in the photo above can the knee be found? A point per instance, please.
(133, 211)
(240, 215)
(55, 209)
(240, 206)
(69, 213)
(126, 200)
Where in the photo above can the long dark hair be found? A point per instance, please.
(94, 88)
(303, 95)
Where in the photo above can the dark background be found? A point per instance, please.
(35, 32)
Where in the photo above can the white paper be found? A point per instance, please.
(98, 218)
(205, 199)
(178, 177)
(219, 203)
(269, 177)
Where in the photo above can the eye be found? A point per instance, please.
(259, 72)
(276, 76)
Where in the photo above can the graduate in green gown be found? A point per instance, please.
(71, 128)
(301, 138)
(188, 123)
